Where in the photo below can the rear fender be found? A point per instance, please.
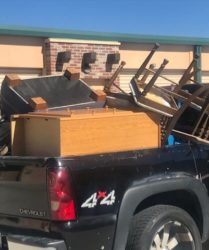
(152, 186)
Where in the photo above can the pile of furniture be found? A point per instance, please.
(63, 116)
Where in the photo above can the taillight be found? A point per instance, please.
(60, 193)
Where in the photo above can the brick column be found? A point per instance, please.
(98, 69)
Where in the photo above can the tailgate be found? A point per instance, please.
(23, 187)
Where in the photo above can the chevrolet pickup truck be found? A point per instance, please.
(147, 199)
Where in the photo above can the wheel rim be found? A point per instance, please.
(173, 235)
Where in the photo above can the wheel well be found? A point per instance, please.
(182, 199)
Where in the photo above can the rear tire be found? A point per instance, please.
(163, 227)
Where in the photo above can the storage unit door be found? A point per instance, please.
(127, 74)
(22, 73)
(205, 77)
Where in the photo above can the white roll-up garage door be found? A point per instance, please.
(22, 73)
(127, 74)
(205, 77)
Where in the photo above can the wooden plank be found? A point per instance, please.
(42, 137)
(98, 95)
(38, 103)
(72, 74)
(12, 80)
(17, 136)
(113, 134)
(75, 114)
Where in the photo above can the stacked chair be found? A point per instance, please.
(183, 113)
(181, 110)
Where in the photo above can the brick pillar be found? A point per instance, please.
(98, 69)
(47, 59)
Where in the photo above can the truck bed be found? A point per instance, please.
(100, 185)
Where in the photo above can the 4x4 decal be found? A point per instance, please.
(100, 198)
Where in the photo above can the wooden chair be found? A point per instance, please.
(171, 114)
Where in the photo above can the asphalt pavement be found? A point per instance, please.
(206, 246)
(14, 246)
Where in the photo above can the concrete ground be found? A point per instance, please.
(206, 246)
(13, 246)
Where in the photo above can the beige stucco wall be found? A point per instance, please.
(205, 58)
(21, 52)
(179, 56)
(24, 56)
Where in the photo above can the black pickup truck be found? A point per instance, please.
(150, 199)
(146, 199)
